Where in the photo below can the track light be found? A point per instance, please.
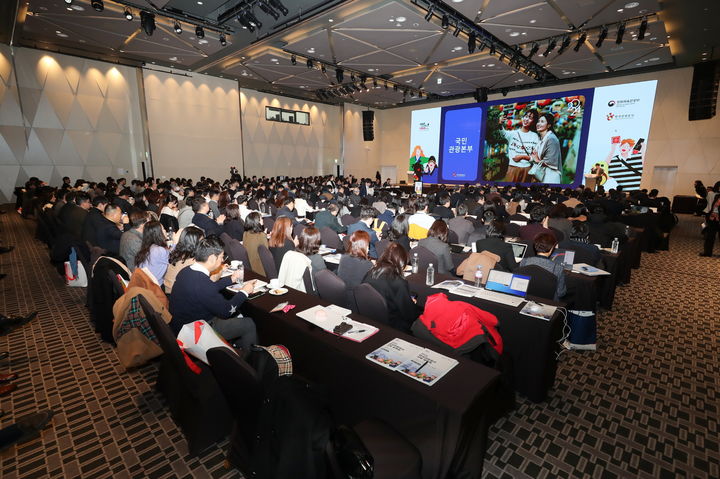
(128, 15)
(277, 5)
(339, 75)
(177, 28)
(457, 28)
(69, 2)
(386, 85)
(492, 49)
(374, 82)
(293, 59)
(445, 22)
(309, 64)
(265, 7)
(471, 43)
(620, 34)
(395, 88)
(602, 37)
(147, 22)
(504, 91)
(253, 19)
(551, 46)
(322, 68)
(533, 51)
(564, 45)
(223, 40)
(199, 32)
(242, 19)
(98, 5)
(580, 42)
(643, 29)
(429, 13)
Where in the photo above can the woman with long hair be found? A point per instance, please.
(399, 231)
(169, 213)
(387, 277)
(223, 201)
(281, 241)
(182, 255)
(233, 225)
(253, 237)
(356, 262)
(154, 253)
(520, 145)
(436, 243)
(547, 152)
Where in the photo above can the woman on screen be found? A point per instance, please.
(548, 152)
(521, 143)
(430, 171)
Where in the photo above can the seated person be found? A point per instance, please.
(182, 255)
(421, 221)
(544, 245)
(309, 244)
(387, 278)
(169, 214)
(460, 225)
(110, 229)
(154, 252)
(288, 210)
(233, 225)
(494, 243)
(436, 243)
(281, 240)
(578, 241)
(442, 210)
(253, 237)
(195, 296)
(355, 263)
(537, 225)
(329, 219)
(94, 219)
(399, 231)
(367, 215)
(131, 240)
(202, 220)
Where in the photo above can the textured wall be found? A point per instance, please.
(273, 148)
(66, 116)
(692, 146)
(194, 125)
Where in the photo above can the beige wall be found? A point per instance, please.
(273, 148)
(692, 146)
(360, 158)
(66, 116)
(194, 125)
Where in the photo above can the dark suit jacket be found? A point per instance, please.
(500, 248)
(530, 231)
(402, 311)
(108, 236)
(326, 219)
(206, 224)
(278, 253)
(124, 205)
(443, 212)
(234, 228)
(92, 221)
(72, 218)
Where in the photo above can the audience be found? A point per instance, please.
(253, 237)
(131, 240)
(233, 225)
(154, 253)
(281, 240)
(182, 255)
(355, 262)
(436, 243)
(367, 214)
(544, 244)
(495, 243)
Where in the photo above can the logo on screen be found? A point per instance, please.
(611, 103)
(424, 126)
(610, 116)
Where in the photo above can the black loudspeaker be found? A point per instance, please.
(703, 96)
(368, 125)
(481, 95)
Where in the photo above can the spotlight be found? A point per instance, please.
(481, 47)
(353, 78)
(551, 46)
(223, 41)
(492, 49)
(277, 5)
(564, 45)
(428, 16)
(98, 5)
(177, 28)
(445, 22)
(253, 19)
(457, 28)
(395, 88)
(322, 68)
(580, 42)
(602, 37)
(643, 29)
(199, 32)
(128, 15)
(147, 22)
(504, 91)
(309, 64)
(534, 50)
(620, 34)
(481, 95)
(245, 22)
(293, 59)
(471, 43)
(339, 75)
(386, 85)
(374, 82)
(265, 7)
(69, 2)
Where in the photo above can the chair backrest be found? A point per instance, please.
(453, 237)
(297, 229)
(118, 287)
(238, 382)
(348, 220)
(582, 256)
(425, 257)
(370, 303)
(268, 223)
(165, 337)
(330, 238)
(543, 283)
(330, 287)
(512, 229)
(268, 262)
(309, 282)
(381, 246)
(236, 251)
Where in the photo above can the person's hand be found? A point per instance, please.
(249, 286)
(221, 219)
(124, 219)
(296, 241)
(236, 276)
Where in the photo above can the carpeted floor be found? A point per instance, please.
(644, 405)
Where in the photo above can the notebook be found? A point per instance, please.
(518, 250)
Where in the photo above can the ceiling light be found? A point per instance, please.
(177, 28)
(533, 50)
(253, 19)
(632, 5)
(643, 29)
(278, 5)
(242, 19)
(620, 34)
(98, 5)
(68, 1)
(602, 37)
(322, 68)
(580, 41)
(552, 43)
(309, 63)
(223, 40)
(199, 32)
(128, 15)
(293, 59)
(147, 22)
(265, 7)
(564, 45)
(439, 81)
(428, 15)
(457, 29)
(445, 23)
(400, 19)
(374, 82)
(492, 49)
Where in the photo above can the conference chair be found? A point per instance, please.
(331, 288)
(235, 250)
(425, 257)
(268, 223)
(330, 238)
(512, 229)
(268, 262)
(452, 237)
(309, 282)
(370, 303)
(297, 229)
(381, 246)
(195, 400)
(543, 283)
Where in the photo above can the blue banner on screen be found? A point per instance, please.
(461, 129)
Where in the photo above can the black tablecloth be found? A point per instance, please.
(447, 422)
(531, 342)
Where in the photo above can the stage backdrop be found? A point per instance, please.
(501, 142)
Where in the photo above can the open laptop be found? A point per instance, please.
(518, 250)
(508, 283)
(564, 256)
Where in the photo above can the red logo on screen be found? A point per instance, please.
(610, 116)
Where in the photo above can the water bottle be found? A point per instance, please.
(430, 277)
(478, 277)
(615, 245)
(415, 263)
(627, 231)
(241, 269)
(170, 236)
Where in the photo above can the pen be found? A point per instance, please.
(358, 331)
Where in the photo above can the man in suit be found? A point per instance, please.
(537, 225)
(494, 243)
(72, 216)
(122, 200)
(367, 215)
(328, 219)
(203, 221)
(110, 229)
(93, 219)
(442, 210)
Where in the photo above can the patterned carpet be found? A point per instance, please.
(644, 405)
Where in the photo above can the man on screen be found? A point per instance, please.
(521, 144)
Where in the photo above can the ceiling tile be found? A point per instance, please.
(516, 79)
(315, 45)
(380, 17)
(587, 66)
(450, 47)
(419, 50)
(384, 61)
(652, 58)
(389, 38)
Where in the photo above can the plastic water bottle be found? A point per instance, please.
(430, 276)
(241, 269)
(478, 277)
(170, 236)
(627, 231)
(415, 263)
(615, 245)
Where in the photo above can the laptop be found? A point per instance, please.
(458, 248)
(508, 283)
(518, 250)
(564, 256)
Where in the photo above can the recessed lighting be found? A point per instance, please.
(371, 69)
(58, 31)
(632, 5)
(391, 19)
(457, 1)
(491, 64)
(400, 19)
(654, 59)
(311, 50)
(330, 20)
(533, 21)
(439, 81)
(514, 34)
(455, 49)
(79, 8)
(173, 59)
(620, 10)
(199, 3)
(524, 33)
(62, 35)
(408, 81)
(653, 38)
(202, 41)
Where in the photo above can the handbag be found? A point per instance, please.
(74, 271)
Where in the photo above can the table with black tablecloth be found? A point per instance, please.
(447, 422)
(531, 343)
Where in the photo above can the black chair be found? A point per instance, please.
(330, 239)
(330, 287)
(381, 246)
(268, 223)
(346, 220)
(543, 283)
(425, 257)
(309, 282)
(452, 237)
(297, 229)
(583, 256)
(235, 250)
(512, 229)
(370, 303)
(268, 262)
(195, 400)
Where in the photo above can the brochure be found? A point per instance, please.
(588, 270)
(421, 364)
(538, 310)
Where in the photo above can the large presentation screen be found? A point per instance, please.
(592, 136)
